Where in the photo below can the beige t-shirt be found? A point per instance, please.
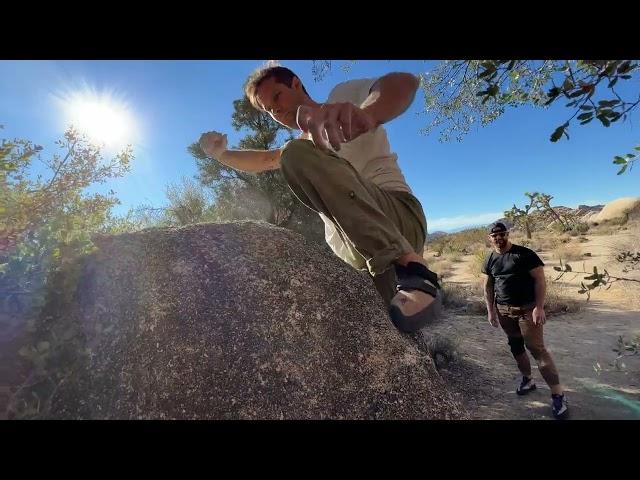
(371, 156)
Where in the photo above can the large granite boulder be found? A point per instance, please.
(238, 320)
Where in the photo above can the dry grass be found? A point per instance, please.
(468, 298)
(521, 239)
(632, 243)
(454, 256)
(559, 299)
(628, 291)
(579, 229)
(461, 242)
(477, 261)
(441, 265)
(604, 229)
(625, 293)
(545, 242)
(568, 253)
(564, 237)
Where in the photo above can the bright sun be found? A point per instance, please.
(102, 117)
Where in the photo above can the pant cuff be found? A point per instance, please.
(384, 259)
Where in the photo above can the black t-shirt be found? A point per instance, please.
(514, 285)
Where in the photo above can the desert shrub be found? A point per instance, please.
(443, 349)
(469, 298)
(477, 261)
(558, 299)
(568, 252)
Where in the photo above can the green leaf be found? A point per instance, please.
(624, 67)
(567, 268)
(604, 120)
(555, 136)
(612, 82)
(637, 148)
(553, 92)
(557, 269)
(625, 77)
(586, 107)
(623, 169)
(630, 155)
(619, 160)
(584, 116)
(610, 68)
(577, 93)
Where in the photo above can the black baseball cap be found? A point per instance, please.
(497, 227)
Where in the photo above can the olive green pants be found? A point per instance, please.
(378, 226)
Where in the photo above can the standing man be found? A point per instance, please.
(514, 291)
(343, 168)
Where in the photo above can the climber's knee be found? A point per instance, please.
(517, 345)
(295, 151)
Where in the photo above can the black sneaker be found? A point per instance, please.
(560, 406)
(527, 385)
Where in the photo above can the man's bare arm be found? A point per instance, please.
(251, 160)
(489, 298)
(214, 145)
(489, 293)
(390, 96)
(540, 285)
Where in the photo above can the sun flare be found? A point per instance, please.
(103, 118)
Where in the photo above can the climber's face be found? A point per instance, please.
(280, 101)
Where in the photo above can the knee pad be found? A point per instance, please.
(517, 345)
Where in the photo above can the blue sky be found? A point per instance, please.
(459, 184)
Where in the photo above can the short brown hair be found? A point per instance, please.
(281, 75)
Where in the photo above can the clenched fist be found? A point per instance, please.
(213, 144)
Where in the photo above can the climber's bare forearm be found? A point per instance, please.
(253, 161)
